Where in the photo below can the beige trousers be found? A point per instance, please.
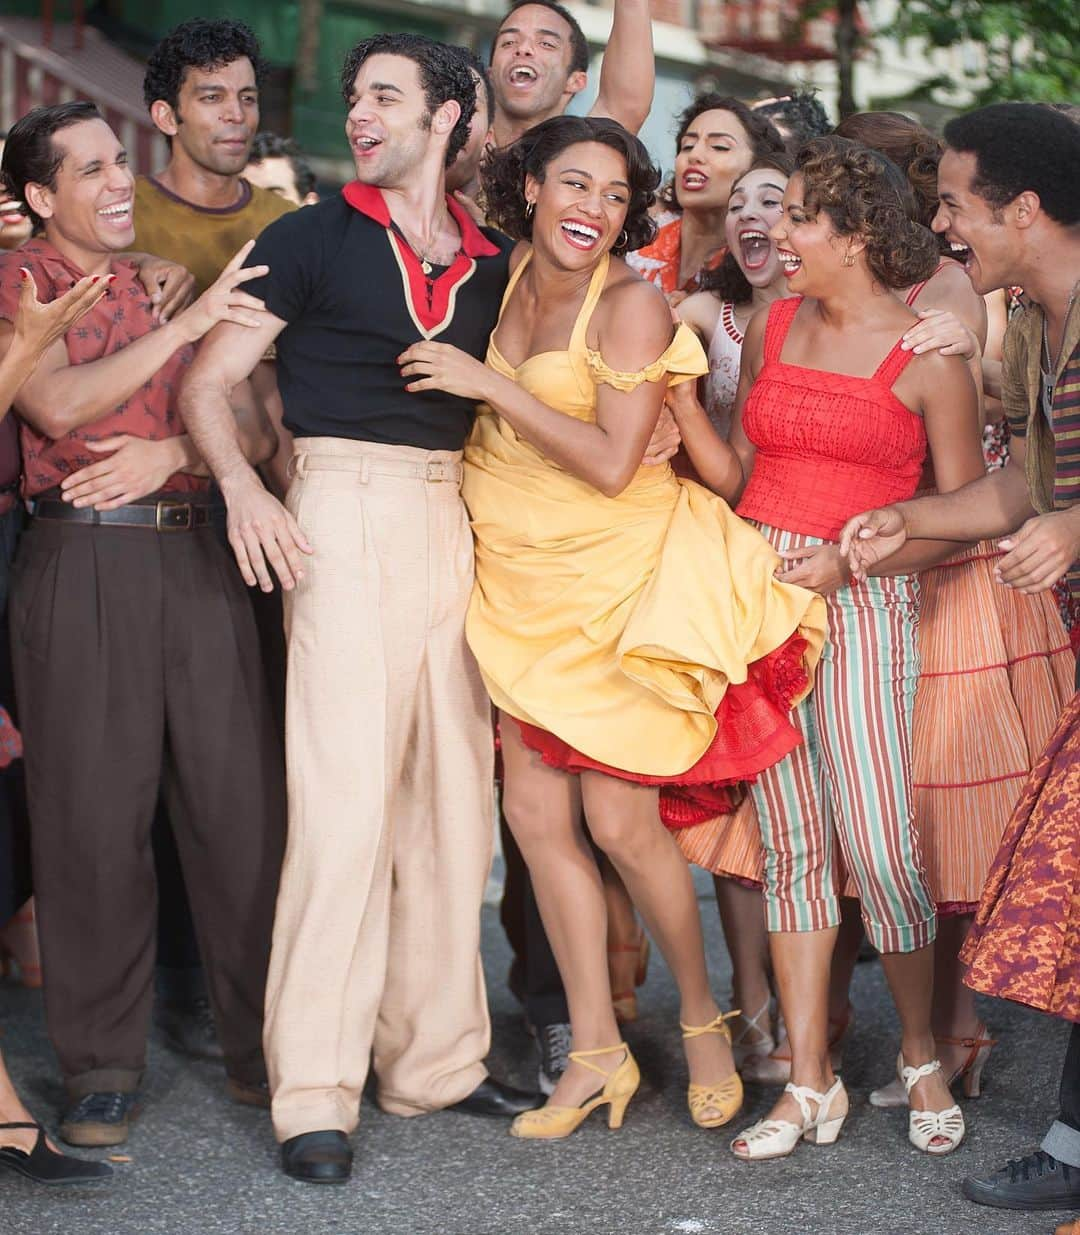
(376, 945)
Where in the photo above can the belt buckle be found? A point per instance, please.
(438, 471)
(163, 520)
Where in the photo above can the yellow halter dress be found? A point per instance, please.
(642, 635)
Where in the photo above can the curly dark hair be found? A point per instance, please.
(269, 145)
(914, 149)
(504, 171)
(865, 194)
(727, 280)
(1020, 147)
(801, 112)
(579, 46)
(202, 43)
(763, 135)
(444, 75)
(30, 155)
(483, 74)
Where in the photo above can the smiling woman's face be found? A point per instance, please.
(581, 204)
(755, 206)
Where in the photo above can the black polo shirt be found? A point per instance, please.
(355, 297)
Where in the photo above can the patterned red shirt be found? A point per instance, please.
(120, 317)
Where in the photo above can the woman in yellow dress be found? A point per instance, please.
(628, 626)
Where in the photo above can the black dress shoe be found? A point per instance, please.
(45, 1166)
(1036, 1181)
(318, 1157)
(492, 1097)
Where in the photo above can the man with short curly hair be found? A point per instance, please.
(202, 91)
(376, 951)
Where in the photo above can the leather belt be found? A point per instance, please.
(166, 516)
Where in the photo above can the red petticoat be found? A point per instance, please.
(753, 731)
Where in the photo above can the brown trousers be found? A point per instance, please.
(137, 665)
(388, 737)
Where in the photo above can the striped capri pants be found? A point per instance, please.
(848, 787)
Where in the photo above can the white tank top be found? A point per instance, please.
(725, 354)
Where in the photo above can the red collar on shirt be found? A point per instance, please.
(369, 200)
(431, 302)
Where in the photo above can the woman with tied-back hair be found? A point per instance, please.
(718, 138)
(629, 628)
(832, 408)
(996, 667)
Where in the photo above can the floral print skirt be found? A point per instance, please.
(1025, 943)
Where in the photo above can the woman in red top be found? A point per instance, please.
(831, 408)
(718, 139)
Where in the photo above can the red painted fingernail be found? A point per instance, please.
(24, 274)
(112, 278)
(96, 279)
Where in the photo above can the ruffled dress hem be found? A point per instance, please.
(737, 753)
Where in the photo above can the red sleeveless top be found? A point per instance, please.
(829, 445)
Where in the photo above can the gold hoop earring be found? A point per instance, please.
(849, 259)
(623, 240)
(530, 208)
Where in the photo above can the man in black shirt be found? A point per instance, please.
(376, 940)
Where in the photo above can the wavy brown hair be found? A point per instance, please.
(865, 194)
(503, 174)
(913, 148)
(727, 280)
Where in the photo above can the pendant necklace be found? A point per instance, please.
(1051, 365)
(422, 252)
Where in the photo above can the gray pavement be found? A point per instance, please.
(201, 1166)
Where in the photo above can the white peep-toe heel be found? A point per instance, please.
(776, 1138)
(926, 1126)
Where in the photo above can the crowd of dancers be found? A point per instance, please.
(783, 588)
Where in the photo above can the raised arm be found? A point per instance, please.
(260, 529)
(628, 72)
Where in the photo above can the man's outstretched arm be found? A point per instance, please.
(628, 73)
(261, 530)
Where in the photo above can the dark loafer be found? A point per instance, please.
(318, 1157)
(98, 1119)
(499, 1101)
(45, 1166)
(1036, 1181)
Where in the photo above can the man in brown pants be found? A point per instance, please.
(388, 727)
(134, 648)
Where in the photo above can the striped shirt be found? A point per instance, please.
(1053, 444)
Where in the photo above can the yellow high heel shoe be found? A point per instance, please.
(552, 1123)
(725, 1097)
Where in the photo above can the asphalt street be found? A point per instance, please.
(199, 1165)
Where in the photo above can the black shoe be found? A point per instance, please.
(554, 1055)
(189, 1027)
(45, 1166)
(1036, 1181)
(318, 1157)
(492, 1097)
(99, 1119)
